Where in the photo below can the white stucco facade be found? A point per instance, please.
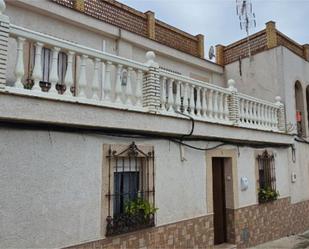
(52, 184)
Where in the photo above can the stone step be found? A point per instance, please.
(225, 246)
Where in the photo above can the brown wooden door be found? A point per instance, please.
(219, 200)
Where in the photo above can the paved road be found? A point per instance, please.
(292, 242)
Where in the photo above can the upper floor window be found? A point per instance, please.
(131, 202)
(267, 177)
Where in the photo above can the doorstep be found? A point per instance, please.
(225, 246)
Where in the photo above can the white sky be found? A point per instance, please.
(218, 22)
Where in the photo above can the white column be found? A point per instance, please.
(107, 82)
(95, 80)
(20, 68)
(82, 80)
(226, 107)
(192, 104)
(177, 97)
(198, 101)
(139, 87)
(185, 98)
(53, 77)
(37, 70)
(220, 105)
(163, 94)
(170, 100)
(204, 102)
(129, 91)
(210, 103)
(68, 80)
(118, 89)
(215, 107)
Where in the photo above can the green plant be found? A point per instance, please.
(140, 206)
(267, 194)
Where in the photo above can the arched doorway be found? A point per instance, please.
(299, 101)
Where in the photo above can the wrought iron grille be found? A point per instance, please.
(130, 184)
(267, 175)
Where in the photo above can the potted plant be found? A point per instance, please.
(267, 194)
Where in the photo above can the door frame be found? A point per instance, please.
(225, 153)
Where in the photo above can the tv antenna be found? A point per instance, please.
(246, 17)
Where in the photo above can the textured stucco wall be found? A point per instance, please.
(271, 73)
(51, 185)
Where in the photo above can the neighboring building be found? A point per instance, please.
(107, 112)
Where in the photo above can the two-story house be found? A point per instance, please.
(116, 132)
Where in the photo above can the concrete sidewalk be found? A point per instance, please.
(300, 241)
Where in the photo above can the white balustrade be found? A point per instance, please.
(68, 80)
(127, 84)
(37, 73)
(19, 69)
(95, 80)
(53, 77)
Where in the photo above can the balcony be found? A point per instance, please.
(91, 77)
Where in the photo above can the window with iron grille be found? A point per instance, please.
(267, 177)
(130, 195)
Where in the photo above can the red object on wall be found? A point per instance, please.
(298, 116)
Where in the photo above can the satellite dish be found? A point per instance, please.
(211, 53)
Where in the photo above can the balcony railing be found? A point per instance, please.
(98, 78)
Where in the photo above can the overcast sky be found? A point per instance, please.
(218, 22)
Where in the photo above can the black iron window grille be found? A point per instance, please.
(131, 189)
(267, 177)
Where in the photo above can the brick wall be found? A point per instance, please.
(127, 18)
(180, 41)
(240, 49)
(246, 227)
(257, 224)
(193, 233)
(266, 39)
(288, 43)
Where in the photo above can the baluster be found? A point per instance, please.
(226, 107)
(82, 80)
(139, 86)
(107, 82)
(273, 121)
(185, 98)
(258, 115)
(68, 80)
(266, 117)
(215, 107)
(177, 97)
(204, 102)
(192, 104)
(37, 70)
(247, 113)
(103, 69)
(95, 80)
(198, 101)
(20, 68)
(118, 90)
(170, 99)
(129, 91)
(210, 104)
(220, 105)
(53, 77)
(242, 110)
(262, 115)
(163, 94)
(254, 118)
